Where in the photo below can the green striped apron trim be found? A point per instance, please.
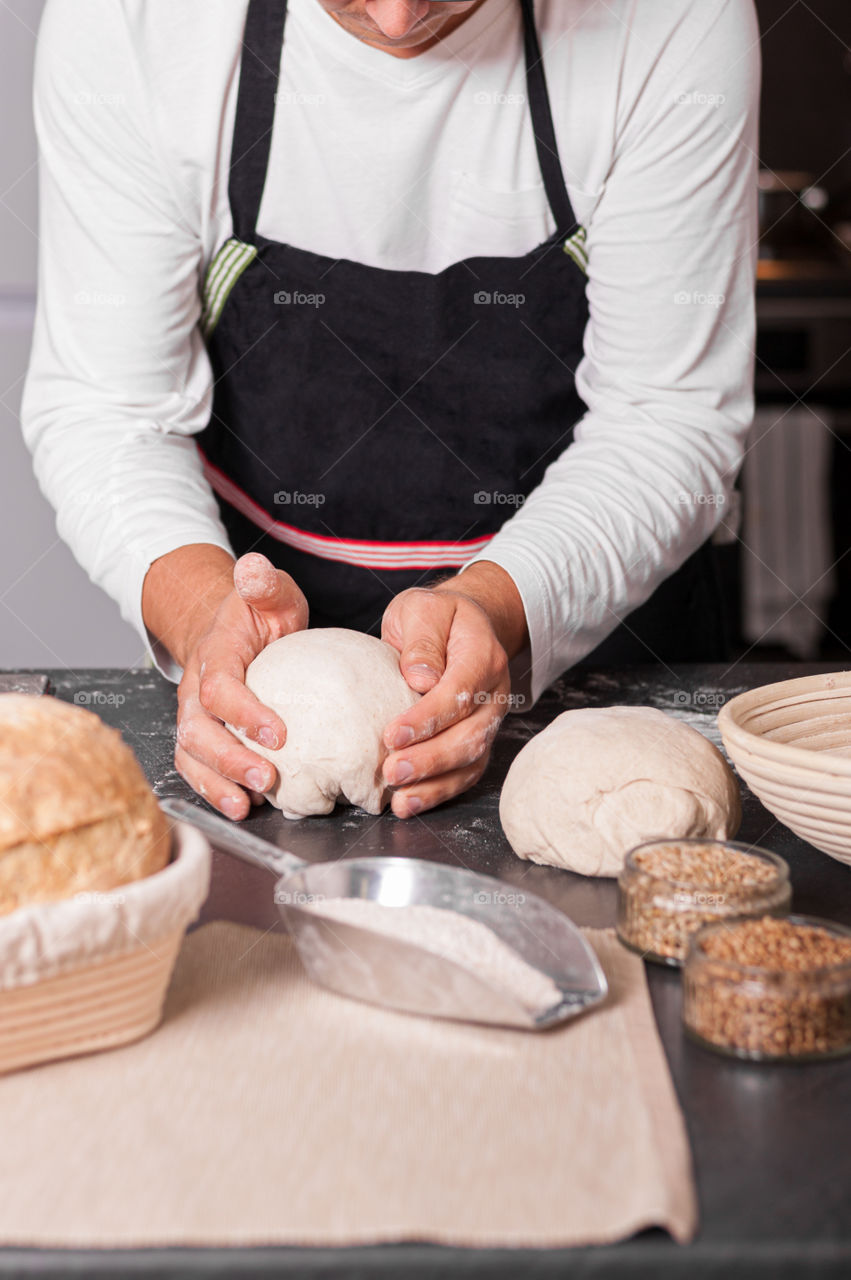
(234, 256)
(222, 274)
(575, 248)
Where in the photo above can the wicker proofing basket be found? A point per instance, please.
(791, 743)
(91, 972)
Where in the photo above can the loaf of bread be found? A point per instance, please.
(76, 811)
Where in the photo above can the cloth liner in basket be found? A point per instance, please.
(91, 972)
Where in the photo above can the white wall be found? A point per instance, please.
(50, 613)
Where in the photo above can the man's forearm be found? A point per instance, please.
(181, 593)
(183, 589)
(494, 590)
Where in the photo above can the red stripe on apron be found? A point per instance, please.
(369, 555)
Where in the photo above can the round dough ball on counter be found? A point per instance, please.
(77, 814)
(598, 781)
(336, 691)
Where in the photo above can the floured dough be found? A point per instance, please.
(597, 782)
(336, 691)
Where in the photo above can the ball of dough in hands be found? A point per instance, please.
(336, 691)
(597, 782)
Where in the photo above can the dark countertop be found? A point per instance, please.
(771, 1144)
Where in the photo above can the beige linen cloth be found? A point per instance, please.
(265, 1110)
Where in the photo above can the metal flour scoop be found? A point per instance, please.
(379, 929)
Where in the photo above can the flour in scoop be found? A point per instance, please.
(453, 936)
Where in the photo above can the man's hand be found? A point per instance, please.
(454, 641)
(228, 625)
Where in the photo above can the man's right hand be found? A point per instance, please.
(234, 622)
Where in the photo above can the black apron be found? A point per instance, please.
(372, 429)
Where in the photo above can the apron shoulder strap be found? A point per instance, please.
(542, 124)
(260, 66)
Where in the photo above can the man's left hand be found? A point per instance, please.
(454, 641)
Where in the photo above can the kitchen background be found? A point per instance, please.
(788, 571)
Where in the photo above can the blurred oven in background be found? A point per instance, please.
(789, 573)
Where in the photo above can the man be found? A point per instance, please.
(368, 291)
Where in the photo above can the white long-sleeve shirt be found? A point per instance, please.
(410, 164)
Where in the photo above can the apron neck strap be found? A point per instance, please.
(259, 73)
(542, 124)
(262, 46)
